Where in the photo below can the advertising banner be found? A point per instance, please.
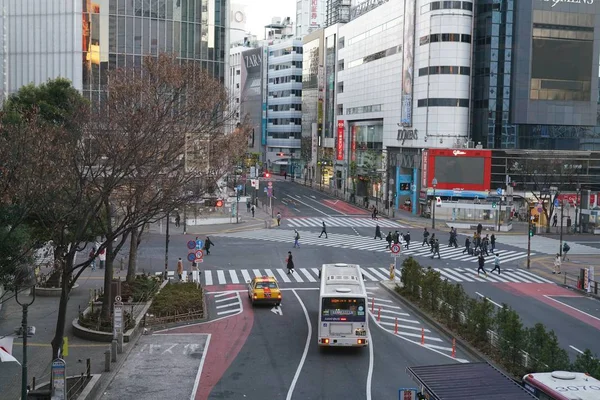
(424, 170)
(314, 12)
(252, 104)
(340, 140)
(353, 143)
(408, 62)
(314, 142)
(460, 170)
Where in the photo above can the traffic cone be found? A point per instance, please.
(396, 327)
(453, 348)
(379, 314)
(373, 304)
(423, 336)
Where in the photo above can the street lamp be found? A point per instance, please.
(530, 220)
(27, 279)
(167, 249)
(562, 207)
(434, 183)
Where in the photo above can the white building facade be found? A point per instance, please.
(310, 16)
(402, 84)
(284, 107)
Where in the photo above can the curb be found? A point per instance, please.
(470, 350)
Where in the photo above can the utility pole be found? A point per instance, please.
(433, 203)
(528, 236)
(562, 206)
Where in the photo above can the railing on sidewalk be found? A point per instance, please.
(151, 320)
(574, 281)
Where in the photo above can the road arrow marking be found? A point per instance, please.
(277, 310)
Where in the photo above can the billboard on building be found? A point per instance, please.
(457, 170)
(340, 140)
(314, 13)
(408, 62)
(251, 93)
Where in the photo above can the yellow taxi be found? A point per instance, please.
(264, 289)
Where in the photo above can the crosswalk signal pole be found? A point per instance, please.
(529, 237)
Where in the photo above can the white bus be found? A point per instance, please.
(343, 319)
(562, 385)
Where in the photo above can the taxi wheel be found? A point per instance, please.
(278, 304)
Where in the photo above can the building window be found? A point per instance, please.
(445, 37)
(237, 71)
(375, 56)
(363, 109)
(340, 87)
(340, 109)
(341, 43)
(237, 85)
(237, 99)
(376, 30)
(447, 5)
(444, 70)
(443, 103)
(340, 65)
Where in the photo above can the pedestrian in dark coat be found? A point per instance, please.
(467, 246)
(481, 262)
(407, 239)
(290, 263)
(388, 239)
(324, 230)
(425, 237)
(207, 245)
(493, 242)
(378, 232)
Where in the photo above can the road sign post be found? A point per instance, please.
(270, 194)
(59, 379)
(395, 249)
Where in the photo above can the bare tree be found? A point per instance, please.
(541, 171)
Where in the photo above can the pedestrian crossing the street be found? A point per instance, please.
(364, 243)
(210, 277)
(344, 222)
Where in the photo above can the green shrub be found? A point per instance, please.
(431, 289)
(143, 288)
(511, 336)
(95, 322)
(587, 363)
(177, 298)
(479, 319)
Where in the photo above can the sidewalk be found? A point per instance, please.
(544, 266)
(42, 314)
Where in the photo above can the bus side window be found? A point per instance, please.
(363, 275)
(319, 274)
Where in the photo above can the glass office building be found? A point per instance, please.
(83, 39)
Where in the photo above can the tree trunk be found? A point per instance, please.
(107, 299)
(133, 247)
(59, 333)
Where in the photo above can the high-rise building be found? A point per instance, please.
(337, 11)
(284, 103)
(83, 40)
(310, 16)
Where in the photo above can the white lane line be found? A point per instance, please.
(306, 347)
(385, 306)
(447, 275)
(384, 300)
(418, 335)
(386, 311)
(316, 272)
(400, 327)
(234, 277)
(307, 275)
(225, 299)
(208, 278)
(571, 307)
(246, 276)
(221, 294)
(308, 205)
(367, 275)
(226, 305)
(225, 312)
(433, 346)
(371, 362)
(490, 300)
(283, 275)
(322, 204)
(297, 276)
(221, 276)
(199, 373)
(529, 278)
(576, 349)
(531, 274)
(410, 321)
(380, 276)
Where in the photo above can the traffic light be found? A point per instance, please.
(267, 175)
(532, 231)
(280, 154)
(493, 204)
(219, 203)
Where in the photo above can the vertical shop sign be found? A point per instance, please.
(408, 62)
(424, 166)
(340, 140)
(353, 143)
(313, 12)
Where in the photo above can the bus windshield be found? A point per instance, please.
(343, 309)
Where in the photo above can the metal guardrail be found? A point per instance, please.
(150, 320)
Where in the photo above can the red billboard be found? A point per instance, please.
(458, 169)
(353, 144)
(340, 140)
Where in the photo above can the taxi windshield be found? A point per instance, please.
(266, 285)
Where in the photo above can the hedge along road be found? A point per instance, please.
(281, 358)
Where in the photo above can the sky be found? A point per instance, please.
(260, 12)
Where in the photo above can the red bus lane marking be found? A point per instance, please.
(547, 294)
(345, 207)
(228, 336)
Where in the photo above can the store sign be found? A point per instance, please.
(313, 12)
(555, 2)
(458, 153)
(340, 140)
(424, 165)
(365, 7)
(407, 134)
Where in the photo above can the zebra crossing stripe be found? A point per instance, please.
(527, 273)
(268, 272)
(221, 277)
(368, 275)
(208, 277)
(378, 274)
(246, 275)
(444, 272)
(233, 275)
(283, 275)
(307, 275)
(529, 276)
(256, 273)
(315, 271)
(297, 276)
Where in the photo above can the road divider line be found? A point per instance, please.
(306, 347)
(331, 208)
(227, 305)
(225, 299)
(200, 367)
(314, 208)
(576, 349)
(571, 307)
(488, 299)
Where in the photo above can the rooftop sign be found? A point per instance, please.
(368, 5)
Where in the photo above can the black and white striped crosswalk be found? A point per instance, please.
(369, 244)
(345, 222)
(210, 277)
